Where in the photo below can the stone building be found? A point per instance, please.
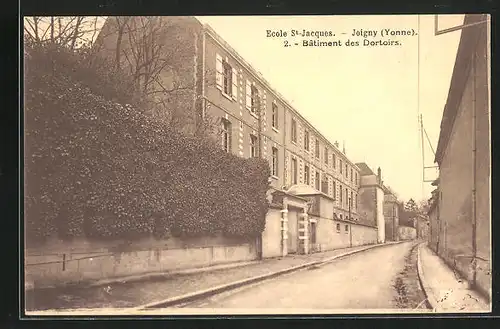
(254, 119)
(371, 199)
(391, 215)
(463, 157)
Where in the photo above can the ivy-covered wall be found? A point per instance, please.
(97, 167)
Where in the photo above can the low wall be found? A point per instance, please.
(407, 233)
(362, 235)
(56, 263)
(329, 238)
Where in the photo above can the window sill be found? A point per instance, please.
(227, 96)
(253, 114)
(276, 130)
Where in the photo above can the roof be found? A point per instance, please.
(466, 48)
(364, 170)
(303, 189)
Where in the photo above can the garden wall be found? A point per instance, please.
(58, 263)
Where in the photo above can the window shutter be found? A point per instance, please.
(249, 95)
(235, 84)
(219, 71)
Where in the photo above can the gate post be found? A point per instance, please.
(284, 230)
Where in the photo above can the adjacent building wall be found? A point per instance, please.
(407, 233)
(460, 173)
(391, 217)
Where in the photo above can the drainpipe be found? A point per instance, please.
(474, 178)
(203, 100)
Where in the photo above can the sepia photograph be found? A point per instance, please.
(209, 165)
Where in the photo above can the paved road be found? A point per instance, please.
(374, 279)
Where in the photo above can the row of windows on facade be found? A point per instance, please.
(321, 183)
(227, 82)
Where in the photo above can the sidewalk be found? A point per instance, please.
(133, 294)
(445, 291)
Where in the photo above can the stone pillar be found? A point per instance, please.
(284, 230)
(305, 234)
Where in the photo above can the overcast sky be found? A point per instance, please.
(365, 96)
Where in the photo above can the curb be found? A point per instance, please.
(431, 300)
(233, 285)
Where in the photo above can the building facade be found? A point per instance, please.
(371, 195)
(463, 157)
(254, 116)
(254, 120)
(391, 215)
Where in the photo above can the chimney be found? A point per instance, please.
(343, 147)
(336, 144)
(379, 175)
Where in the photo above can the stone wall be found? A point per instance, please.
(57, 262)
(271, 237)
(457, 179)
(334, 234)
(407, 233)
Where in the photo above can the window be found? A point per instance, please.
(253, 146)
(326, 155)
(356, 179)
(306, 175)
(226, 135)
(294, 171)
(316, 182)
(274, 169)
(294, 131)
(226, 77)
(351, 200)
(352, 176)
(347, 228)
(346, 195)
(340, 194)
(338, 227)
(306, 140)
(317, 148)
(255, 99)
(275, 116)
(334, 190)
(340, 166)
(346, 171)
(324, 184)
(334, 160)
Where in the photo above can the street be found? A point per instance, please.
(382, 278)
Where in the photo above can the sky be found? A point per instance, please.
(365, 97)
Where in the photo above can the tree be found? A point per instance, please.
(423, 207)
(411, 206)
(151, 50)
(69, 31)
